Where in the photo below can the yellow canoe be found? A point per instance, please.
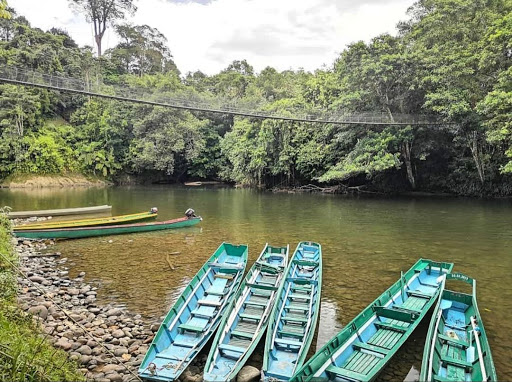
(113, 220)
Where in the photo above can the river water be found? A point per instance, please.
(366, 242)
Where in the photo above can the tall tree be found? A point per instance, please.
(102, 13)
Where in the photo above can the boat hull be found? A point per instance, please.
(76, 233)
(97, 222)
(456, 348)
(295, 314)
(59, 212)
(366, 344)
(247, 316)
(196, 314)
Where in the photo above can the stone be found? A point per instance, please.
(37, 279)
(111, 367)
(73, 291)
(118, 333)
(63, 343)
(39, 310)
(85, 350)
(248, 373)
(84, 359)
(120, 351)
(114, 312)
(115, 377)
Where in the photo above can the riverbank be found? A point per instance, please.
(43, 181)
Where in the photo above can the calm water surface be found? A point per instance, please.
(366, 243)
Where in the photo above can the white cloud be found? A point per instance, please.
(208, 35)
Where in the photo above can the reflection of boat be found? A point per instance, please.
(247, 316)
(75, 233)
(196, 314)
(295, 314)
(202, 183)
(456, 348)
(113, 220)
(367, 343)
(59, 212)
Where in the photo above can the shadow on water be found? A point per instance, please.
(366, 243)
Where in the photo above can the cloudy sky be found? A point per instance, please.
(207, 35)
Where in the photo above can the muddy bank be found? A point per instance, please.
(36, 181)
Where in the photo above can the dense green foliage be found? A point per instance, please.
(451, 59)
(25, 353)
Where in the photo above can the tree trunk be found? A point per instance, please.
(98, 43)
(476, 151)
(406, 154)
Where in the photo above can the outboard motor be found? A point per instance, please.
(190, 213)
(153, 210)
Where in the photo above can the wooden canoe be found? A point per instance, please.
(196, 314)
(246, 318)
(76, 233)
(59, 212)
(367, 343)
(295, 314)
(113, 220)
(456, 348)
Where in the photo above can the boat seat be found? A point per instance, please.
(385, 325)
(256, 303)
(456, 362)
(215, 301)
(453, 341)
(396, 314)
(196, 324)
(237, 333)
(290, 334)
(250, 316)
(406, 310)
(218, 287)
(231, 348)
(287, 343)
(299, 296)
(261, 286)
(376, 350)
(226, 265)
(223, 276)
(205, 311)
(417, 293)
(295, 319)
(347, 374)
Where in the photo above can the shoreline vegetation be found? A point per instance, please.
(449, 61)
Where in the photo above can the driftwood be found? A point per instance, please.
(169, 262)
(42, 255)
(337, 189)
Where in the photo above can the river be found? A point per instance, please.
(366, 242)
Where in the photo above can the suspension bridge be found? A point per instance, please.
(194, 102)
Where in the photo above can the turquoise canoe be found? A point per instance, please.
(456, 348)
(367, 343)
(247, 316)
(295, 314)
(77, 233)
(196, 314)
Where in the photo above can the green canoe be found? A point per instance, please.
(456, 348)
(76, 233)
(111, 220)
(367, 343)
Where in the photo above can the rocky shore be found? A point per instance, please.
(108, 342)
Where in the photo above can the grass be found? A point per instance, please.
(26, 354)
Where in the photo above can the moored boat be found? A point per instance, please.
(111, 220)
(367, 343)
(247, 316)
(82, 232)
(196, 314)
(295, 314)
(59, 212)
(456, 348)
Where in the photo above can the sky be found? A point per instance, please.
(207, 35)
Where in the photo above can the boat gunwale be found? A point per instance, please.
(59, 212)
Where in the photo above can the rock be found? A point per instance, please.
(120, 351)
(115, 377)
(84, 350)
(248, 373)
(126, 357)
(114, 312)
(118, 333)
(39, 310)
(63, 343)
(84, 359)
(26, 242)
(37, 279)
(111, 367)
(81, 274)
(73, 291)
